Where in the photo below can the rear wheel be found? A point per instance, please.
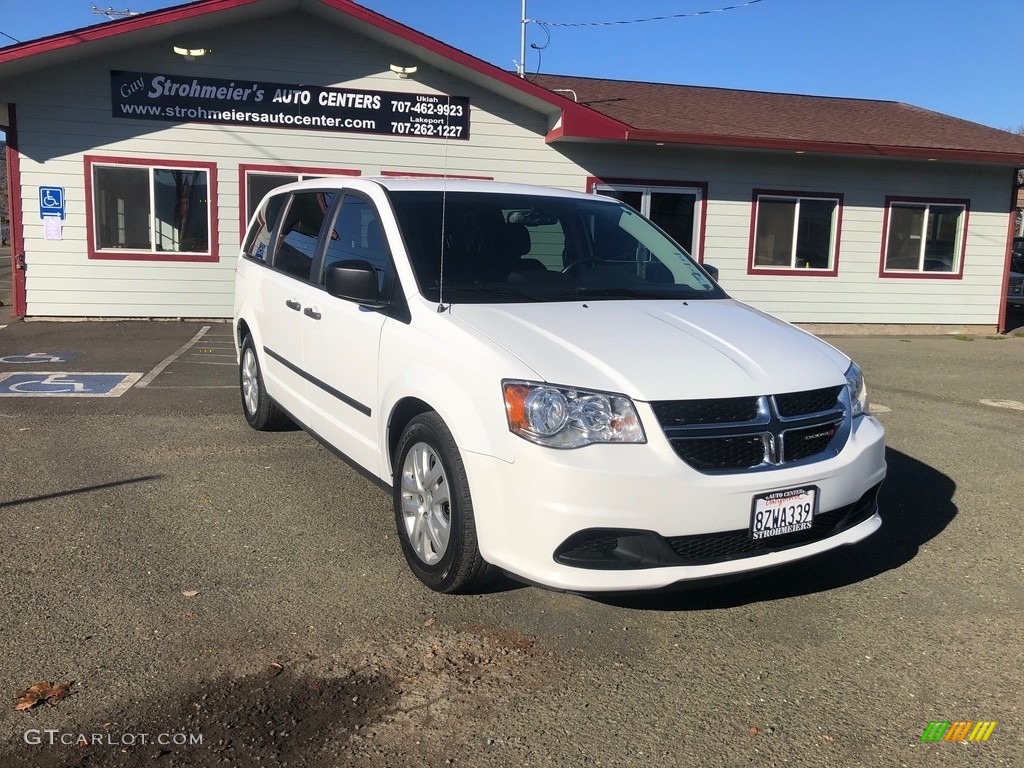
(433, 509)
(260, 411)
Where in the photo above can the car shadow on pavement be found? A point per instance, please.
(1014, 320)
(916, 504)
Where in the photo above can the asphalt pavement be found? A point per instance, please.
(218, 596)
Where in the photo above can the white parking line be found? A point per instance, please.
(167, 361)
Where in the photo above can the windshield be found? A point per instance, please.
(525, 248)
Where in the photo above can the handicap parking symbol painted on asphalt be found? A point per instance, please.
(49, 384)
(37, 357)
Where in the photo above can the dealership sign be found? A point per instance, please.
(149, 96)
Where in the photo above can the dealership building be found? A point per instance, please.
(138, 148)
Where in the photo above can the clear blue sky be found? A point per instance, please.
(952, 56)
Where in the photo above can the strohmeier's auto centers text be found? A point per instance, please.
(150, 96)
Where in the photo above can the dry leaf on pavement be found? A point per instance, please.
(40, 692)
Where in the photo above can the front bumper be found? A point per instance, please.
(530, 512)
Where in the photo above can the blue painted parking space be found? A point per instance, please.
(76, 384)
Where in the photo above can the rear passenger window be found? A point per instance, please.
(257, 244)
(357, 234)
(297, 237)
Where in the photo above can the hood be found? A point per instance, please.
(659, 350)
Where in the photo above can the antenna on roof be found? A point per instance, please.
(111, 14)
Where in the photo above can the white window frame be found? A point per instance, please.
(956, 268)
(797, 198)
(646, 190)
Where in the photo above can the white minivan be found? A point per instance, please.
(549, 384)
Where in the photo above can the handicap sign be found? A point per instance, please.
(49, 384)
(37, 357)
(51, 202)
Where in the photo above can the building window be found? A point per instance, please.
(924, 238)
(255, 181)
(676, 207)
(798, 232)
(151, 210)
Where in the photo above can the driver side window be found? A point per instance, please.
(356, 233)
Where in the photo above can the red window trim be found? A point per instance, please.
(151, 162)
(419, 175)
(794, 271)
(593, 181)
(298, 170)
(904, 275)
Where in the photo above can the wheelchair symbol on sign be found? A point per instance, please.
(50, 200)
(54, 384)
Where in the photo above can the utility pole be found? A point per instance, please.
(521, 65)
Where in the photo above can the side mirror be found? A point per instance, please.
(354, 280)
(711, 270)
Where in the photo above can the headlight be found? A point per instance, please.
(561, 417)
(858, 390)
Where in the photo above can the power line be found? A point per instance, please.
(652, 18)
(9, 37)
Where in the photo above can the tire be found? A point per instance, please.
(434, 511)
(260, 411)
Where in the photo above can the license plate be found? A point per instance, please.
(781, 512)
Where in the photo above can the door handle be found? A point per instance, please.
(293, 305)
(310, 312)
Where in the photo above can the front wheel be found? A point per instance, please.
(260, 411)
(433, 509)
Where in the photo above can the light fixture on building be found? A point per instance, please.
(403, 72)
(190, 54)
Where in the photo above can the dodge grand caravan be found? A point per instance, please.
(549, 385)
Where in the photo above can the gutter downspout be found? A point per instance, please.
(17, 223)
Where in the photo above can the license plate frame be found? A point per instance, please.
(778, 513)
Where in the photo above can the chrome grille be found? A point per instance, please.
(756, 433)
